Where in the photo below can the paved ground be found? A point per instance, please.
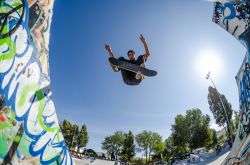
(102, 162)
(212, 161)
(96, 162)
(216, 160)
(81, 161)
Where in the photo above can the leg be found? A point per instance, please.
(115, 69)
(129, 78)
(141, 61)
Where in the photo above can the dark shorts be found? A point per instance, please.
(129, 77)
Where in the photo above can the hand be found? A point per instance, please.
(107, 47)
(143, 40)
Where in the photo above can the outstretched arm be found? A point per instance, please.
(143, 40)
(111, 55)
(107, 47)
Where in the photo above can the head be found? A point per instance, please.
(131, 55)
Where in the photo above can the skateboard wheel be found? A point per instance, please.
(116, 69)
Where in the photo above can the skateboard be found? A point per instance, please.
(119, 64)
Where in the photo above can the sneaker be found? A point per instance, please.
(139, 76)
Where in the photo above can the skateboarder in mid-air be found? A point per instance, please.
(132, 78)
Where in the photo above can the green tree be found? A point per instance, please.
(216, 107)
(190, 131)
(158, 145)
(237, 120)
(180, 131)
(114, 143)
(72, 136)
(170, 149)
(91, 153)
(222, 138)
(143, 141)
(149, 142)
(198, 126)
(128, 149)
(214, 138)
(66, 128)
(82, 137)
(138, 161)
(108, 145)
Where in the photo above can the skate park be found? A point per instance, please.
(56, 76)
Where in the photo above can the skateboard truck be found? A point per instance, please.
(139, 76)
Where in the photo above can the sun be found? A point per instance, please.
(209, 61)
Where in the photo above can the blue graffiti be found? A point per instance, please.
(231, 7)
(245, 102)
(10, 92)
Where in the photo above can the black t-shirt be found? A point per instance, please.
(129, 77)
(138, 61)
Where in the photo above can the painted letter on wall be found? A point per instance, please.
(234, 16)
(29, 129)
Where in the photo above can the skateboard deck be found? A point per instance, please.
(131, 67)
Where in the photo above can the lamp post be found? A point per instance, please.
(208, 77)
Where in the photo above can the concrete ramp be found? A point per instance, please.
(232, 16)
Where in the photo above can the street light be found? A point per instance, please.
(208, 77)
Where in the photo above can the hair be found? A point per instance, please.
(131, 51)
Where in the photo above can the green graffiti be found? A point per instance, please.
(24, 145)
(3, 148)
(51, 157)
(41, 99)
(17, 139)
(8, 138)
(4, 9)
(9, 122)
(10, 54)
(24, 94)
(16, 4)
(1, 3)
(54, 163)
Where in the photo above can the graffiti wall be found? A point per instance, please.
(234, 16)
(29, 130)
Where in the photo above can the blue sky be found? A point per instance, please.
(178, 32)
